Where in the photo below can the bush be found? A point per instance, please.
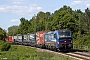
(27, 53)
(1, 43)
(6, 46)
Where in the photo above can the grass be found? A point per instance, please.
(27, 53)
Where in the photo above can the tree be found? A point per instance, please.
(85, 21)
(13, 30)
(64, 18)
(2, 34)
(24, 26)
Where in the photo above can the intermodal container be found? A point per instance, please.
(7, 38)
(40, 36)
(10, 38)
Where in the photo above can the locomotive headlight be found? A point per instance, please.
(58, 42)
(65, 41)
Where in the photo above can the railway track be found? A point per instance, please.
(74, 55)
(79, 56)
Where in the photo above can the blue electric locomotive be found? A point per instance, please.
(63, 39)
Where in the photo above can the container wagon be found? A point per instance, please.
(50, 41)
(20, 38)
(40, 38)
(32, 39)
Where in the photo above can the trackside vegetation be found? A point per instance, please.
(2, 34)
(4, 46)
(27, 53)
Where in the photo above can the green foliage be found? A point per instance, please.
(27, 53)
(5, 47)
(83, 35)
(2, 34)
(13, 30)
(24, 27)
(82, 42)
(1, 43)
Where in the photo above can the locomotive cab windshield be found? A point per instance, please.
(64, 33)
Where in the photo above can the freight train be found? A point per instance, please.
(55, 40)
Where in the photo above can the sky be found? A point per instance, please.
(12, 10)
